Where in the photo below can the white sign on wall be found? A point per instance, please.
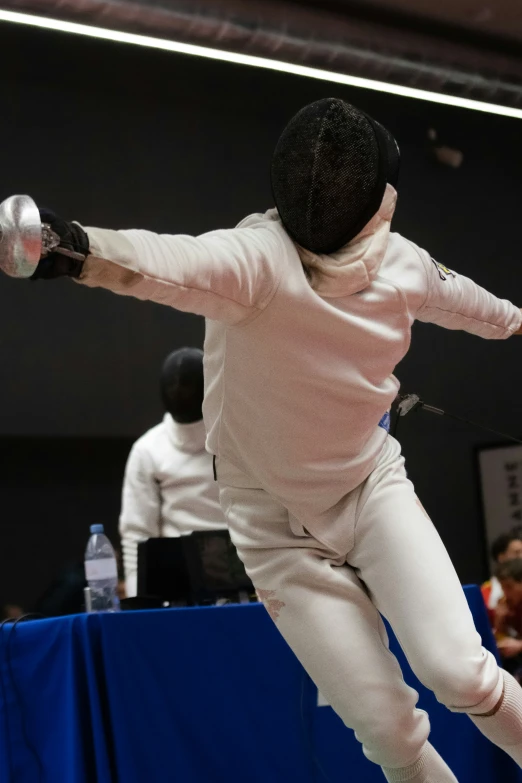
(501, 484)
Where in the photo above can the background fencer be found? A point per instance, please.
(169, 488)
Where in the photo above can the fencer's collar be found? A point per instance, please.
(353, 267)
(186, 437)
(259, 218)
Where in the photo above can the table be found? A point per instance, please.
(206, 695)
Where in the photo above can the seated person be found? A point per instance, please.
(506, 547)
(10, 612)
(169, 488)
(508, 616)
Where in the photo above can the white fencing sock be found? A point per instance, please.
(430, 768)
(504, 728)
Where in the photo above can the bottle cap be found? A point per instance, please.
(96, 529)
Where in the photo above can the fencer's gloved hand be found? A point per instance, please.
(73, 239)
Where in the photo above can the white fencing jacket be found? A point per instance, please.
(168, 490)
(298, 367)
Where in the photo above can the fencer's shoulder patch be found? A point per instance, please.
(443, 271)
(385, 422)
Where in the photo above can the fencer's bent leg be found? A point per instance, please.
(429, 768)
(400, 558)
(503, 725)
(324, 613)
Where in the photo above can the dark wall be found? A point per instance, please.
(52, 490)
(119, 136)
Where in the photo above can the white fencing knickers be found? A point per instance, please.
(326, 604)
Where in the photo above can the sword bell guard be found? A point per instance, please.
(20, 236)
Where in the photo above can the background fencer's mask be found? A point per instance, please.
(182, 385)
(329, 172)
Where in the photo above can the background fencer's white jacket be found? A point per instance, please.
(298, 367)
(168, 490)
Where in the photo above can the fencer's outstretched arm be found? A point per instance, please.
(227, 275)
(140, 516)
(454, 301)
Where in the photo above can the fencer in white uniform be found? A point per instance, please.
(169, 488)
(309, 309)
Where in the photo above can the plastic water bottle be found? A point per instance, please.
(101, 572)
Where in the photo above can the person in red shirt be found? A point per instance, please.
(506, 547)
(508, 616)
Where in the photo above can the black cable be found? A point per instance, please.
(480, 426)
(418, 404)
(30, 746)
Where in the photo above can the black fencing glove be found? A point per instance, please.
(65, 259)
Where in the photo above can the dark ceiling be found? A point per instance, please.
(459, 47)
(498, 19)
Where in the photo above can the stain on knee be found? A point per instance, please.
(272, 604)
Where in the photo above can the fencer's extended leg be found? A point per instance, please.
(400, 558)
(326, 616)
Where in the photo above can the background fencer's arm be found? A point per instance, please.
(140, 516)
(456, 302)
(227, 275)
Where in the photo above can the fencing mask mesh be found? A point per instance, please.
(329, 172)
(182, 385)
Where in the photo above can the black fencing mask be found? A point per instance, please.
(329, 173)
(182, 385)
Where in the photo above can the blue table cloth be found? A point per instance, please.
(209, 695)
